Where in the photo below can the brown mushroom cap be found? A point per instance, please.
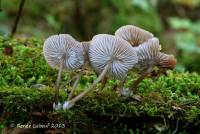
(105, 48)
(166, 61)
(63, 48)
(133, 34)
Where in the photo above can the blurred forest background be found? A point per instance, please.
(175, 22)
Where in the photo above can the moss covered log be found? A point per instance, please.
(168, 104)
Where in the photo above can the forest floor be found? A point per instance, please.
(166, 104)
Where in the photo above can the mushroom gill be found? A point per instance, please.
(63, 48)
(133, 34)
(148, 50)
(120, 53)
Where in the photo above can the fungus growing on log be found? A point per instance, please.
(148, 51)
(110, 56)
(62, 52)
(133, 34)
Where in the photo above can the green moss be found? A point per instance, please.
(21, 103)
(26, 65)
(172, 97)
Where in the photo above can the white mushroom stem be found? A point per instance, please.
(103, 82)
(121, 85)
(78, 77)
(58, 82)
(136, 83)
(101, 76)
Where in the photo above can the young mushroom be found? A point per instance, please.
(134, 35)
(85, 45)
(87, 65)
(110, 56)
(149, 55)
(62, 51)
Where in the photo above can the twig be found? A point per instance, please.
(71, 80)
(176, 127)
(164, 120)
(0, 6)
(14, 29)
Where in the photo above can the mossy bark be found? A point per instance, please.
(167, 104)
(99, 112)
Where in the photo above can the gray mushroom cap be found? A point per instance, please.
(104, 48)
(149, 54)
(133, 34)
(148, 50)
(63, 48)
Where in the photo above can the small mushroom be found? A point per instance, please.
(105, 48)
(148, 52)
(87, 65)
(110, 56)
(85, 45)
(62, 51)
(133, 34)
(149, 55)
(63, 48)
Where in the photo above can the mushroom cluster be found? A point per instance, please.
(110, 56)
(148, 51)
